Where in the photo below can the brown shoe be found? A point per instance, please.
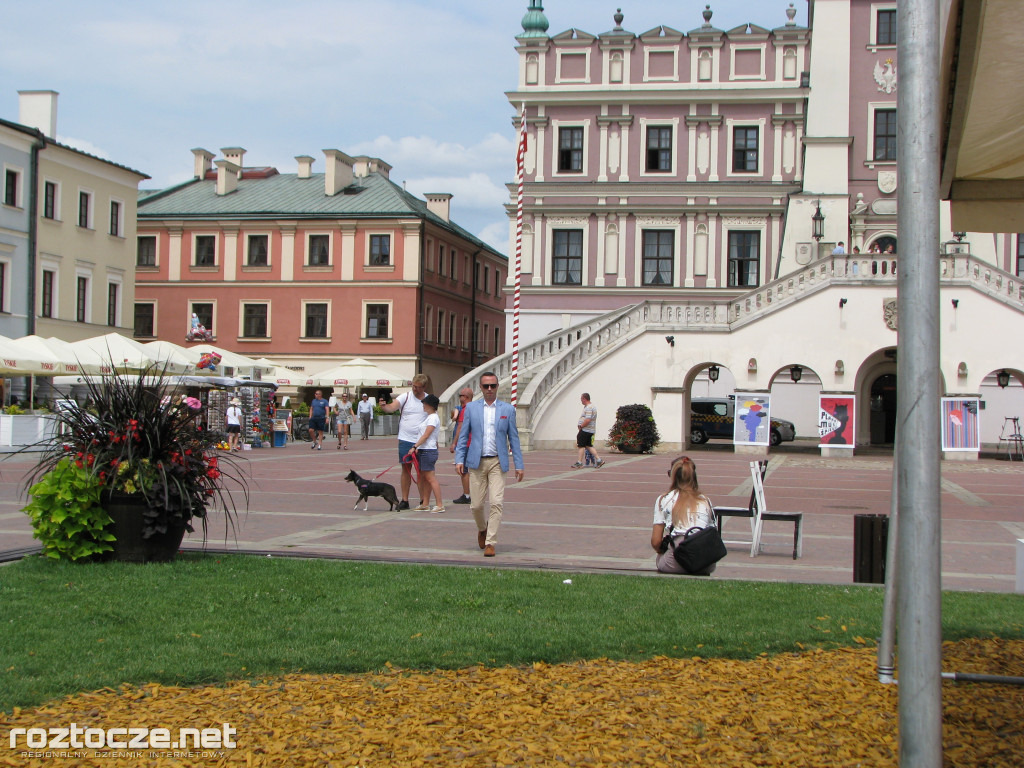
(489, 550)
(481, 539)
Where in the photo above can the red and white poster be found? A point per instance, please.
(835, 421)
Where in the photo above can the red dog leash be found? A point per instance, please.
(407, 459)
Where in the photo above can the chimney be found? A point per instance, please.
(338, 173)
(305, 166)
(38, 109)
(227, 176)
(234, 155)
(438, 203)
(202, 162)
(364, 166)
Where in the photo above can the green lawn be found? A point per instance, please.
(68, 628)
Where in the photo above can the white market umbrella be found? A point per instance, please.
(228, 358)
(285, 377)
(55, 351)
(356, 373)
(114, 352)
(19, 358)
(183, 359)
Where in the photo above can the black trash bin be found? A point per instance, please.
(870, 540)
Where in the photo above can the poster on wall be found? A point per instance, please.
(961, 427)
(835, 421)
(752, 423)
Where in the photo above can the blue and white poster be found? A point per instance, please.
(961, 428)
(752, 422)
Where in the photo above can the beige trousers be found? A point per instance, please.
(487, 482)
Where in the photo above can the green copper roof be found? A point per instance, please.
(285, 195)
(535, 23)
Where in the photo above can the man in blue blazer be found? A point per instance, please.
(491, 423)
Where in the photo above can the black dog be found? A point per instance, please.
(369, 488)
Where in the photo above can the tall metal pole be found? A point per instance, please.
(918, 457)
(520, 172)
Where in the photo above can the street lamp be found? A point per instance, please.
(817, 222)
(796, 373)
(1003, 378)
(713, 372)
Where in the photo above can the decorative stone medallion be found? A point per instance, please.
(887, 181)
(889, 314)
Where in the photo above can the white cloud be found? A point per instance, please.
(496, 235)
(417, 155)
(473, 191)
(85, 146)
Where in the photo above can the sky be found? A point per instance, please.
(418, 83)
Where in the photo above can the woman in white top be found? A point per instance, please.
(233, 422)
(425, 449)
(681, 508)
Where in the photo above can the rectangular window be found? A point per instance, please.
(441, 266)
(659, 150)
(206, 251)
(380, 250)
(451, 330)
(145, 251)
(744, 150)
(885, 134)
(319, 250)
(47, 298)
(257, 255)
(112, 304)
(886, 28)
(115, 218)
(497, 341)
(567, 259)
(254, 321)
(497, 283)
(316, 321)
(81, 299)
(570, 150)
(144, 320)
(440, 326)
(11, 179)
(455, 264)
(84, 205)
(377, 321)
(658, 257)
(49, 200)
(1020, 255)
(3, 287)
(204, 313)
(744, 259)
(487, 279)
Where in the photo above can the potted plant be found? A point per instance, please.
(634, 430)
(153, 464)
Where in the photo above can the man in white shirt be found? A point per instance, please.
(411, 406)
(365, 412)
(839, 250)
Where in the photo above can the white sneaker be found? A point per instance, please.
(436, 510)
(422, 508)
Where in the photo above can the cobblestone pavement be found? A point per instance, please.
(567, 519)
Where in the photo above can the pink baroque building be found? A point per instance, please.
(715, 212)
(314, 269)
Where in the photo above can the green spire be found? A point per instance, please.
(535, 23)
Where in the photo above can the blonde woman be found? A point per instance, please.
(681, 508)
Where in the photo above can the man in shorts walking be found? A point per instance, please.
(411, 406)
(585, 437)
(318, 420)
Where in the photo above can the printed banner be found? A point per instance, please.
(752, 421)
(835, 421)
(961, 427)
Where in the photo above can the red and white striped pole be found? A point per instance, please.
(520, 162)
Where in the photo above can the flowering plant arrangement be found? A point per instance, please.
(141, 440)
(634, 429)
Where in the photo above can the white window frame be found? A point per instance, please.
(390, 234)
(309, 250)
(57, 213)
(585, 53)
(195, 251)
(155, 305)
(50, 264)
(428, 318)
(87, 310)
(390, 338)
(760, 49)
(8, 279)
(122, 211)
(119, 309)
(213, 312)
(270, 256)
(19, 186)
(156, 249)
(556, 126)
(91, 217)
(673, 123)
(869, 139)
(302, 334)
(674, 77)
(241, 320)
(873, 32)
(762, 144)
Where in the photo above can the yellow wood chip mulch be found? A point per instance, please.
(819, 708)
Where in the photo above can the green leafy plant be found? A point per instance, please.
(66, 513)
(302, 409)
(634, 429)
(14, 410)
(145, 438)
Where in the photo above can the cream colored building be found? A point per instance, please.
(84, 272)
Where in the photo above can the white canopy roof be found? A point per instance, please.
(356, 373)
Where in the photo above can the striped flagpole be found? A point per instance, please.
(520, 162)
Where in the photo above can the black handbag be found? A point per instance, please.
(698, 549)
